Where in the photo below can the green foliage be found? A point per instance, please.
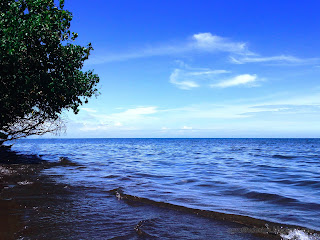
(40, 68)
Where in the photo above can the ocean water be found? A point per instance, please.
(276, 180)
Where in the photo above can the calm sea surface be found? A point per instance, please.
(271, 179)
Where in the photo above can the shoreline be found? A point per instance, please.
(26, 194)
(256, 226)
(12, 174)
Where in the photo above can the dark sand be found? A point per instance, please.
(14, 171)
(10, 218)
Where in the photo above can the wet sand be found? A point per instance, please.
(34, 206)
(14, 172)
(10, 218)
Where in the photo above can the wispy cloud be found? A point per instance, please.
(283, 107)
(274, 59)
(127, 116)
(140, 53)
(207, 72)
(282, 113)
(203, 43)
(138, 111)
(97, 120)
(209, 42)
(88, 110)
(200, 42)
(182, 82)
(244, 79)
(189, 78)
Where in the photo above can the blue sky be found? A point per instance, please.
(200, 68)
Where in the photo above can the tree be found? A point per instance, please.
(40, 68)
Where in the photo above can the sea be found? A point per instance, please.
(177, 188)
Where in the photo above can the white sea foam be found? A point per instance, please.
(25, 183)
(5, 171)
(299, 235)
(118, 195)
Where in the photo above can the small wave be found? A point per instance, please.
(184, 181)
(211, 183)
(206, 185)
(300, 235)
(271, 197)
(111, 176)
(125, 179)
(308, 183)
(147, 175)
(64, 161)
(81, 167)
(283, 156)
(268, 167)
(141, 232)
(238, 149)
(284, 181)
(150, 154)
(267, 228)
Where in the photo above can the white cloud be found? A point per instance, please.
(244, 79)
(208, 72)
(193, 77)
(139, 111)
(118, 124)
(209, 42)
(208, 115)
(142, 53)
(206, 43)
(210, 112)
(203, 42)
(100, 128)
(127, 116)
(92, 120)
(278, 59)
(190, 78)
(89, 110)
(281, 113)
(186, 84)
